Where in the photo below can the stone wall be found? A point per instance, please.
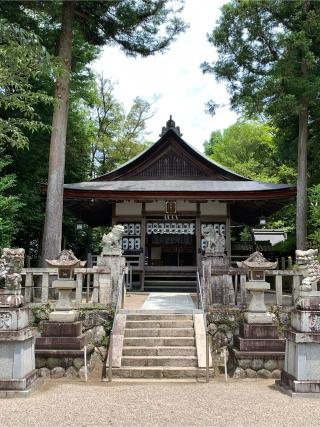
(223, 324)
(96, 324)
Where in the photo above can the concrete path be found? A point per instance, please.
(249, 403)
(168, 301)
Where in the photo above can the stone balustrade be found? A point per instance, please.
(93, 285)
(234, 280)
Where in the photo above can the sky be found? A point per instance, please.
(174, 80)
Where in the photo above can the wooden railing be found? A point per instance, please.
(37, 284)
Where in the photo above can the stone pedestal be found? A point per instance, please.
(61, 336)
(63, 311)
(258, 351)
(17, 356)
(217, 259)
(301, 374)
(257, 311)
(108, 283)
(217, 282)
(259, 337)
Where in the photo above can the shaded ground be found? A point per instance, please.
(236, 403)
(134, 301)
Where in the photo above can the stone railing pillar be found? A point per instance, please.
(111, 258)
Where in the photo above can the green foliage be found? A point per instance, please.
(314, 214)
(22, 59)
(261, 44)
(40, 314)
(10, 205)
(246, 234)
(249, 148)
(281, 318)
(117, 136)
(268, 54)
(287, 246)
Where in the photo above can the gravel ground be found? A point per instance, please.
(236, 403)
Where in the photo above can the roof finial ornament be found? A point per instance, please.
(171, 124)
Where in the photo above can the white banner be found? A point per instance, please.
(171, 228)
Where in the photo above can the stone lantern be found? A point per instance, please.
(66, 263)
(258, 349)
(257, 264)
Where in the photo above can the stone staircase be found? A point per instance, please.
(172, 282)
(159, 346)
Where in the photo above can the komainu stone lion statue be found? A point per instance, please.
(215, 243)
(11, 264)
(310, 267)
(112, 241)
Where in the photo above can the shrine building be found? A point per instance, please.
(164, 198)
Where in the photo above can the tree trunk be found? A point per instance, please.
(302, 201)
(52, 233)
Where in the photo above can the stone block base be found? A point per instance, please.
(262, 330)
(18, 384)
(61, 343)
(61, 336)
(14, 319)
(63, 316)
(261, 318)
(293, 386)
(256, 344)
(59, 329)
(243, 364)
(65, 363)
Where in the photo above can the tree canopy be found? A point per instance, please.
(249, 148)
(268, 53)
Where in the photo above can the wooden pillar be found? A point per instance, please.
(198, 236)
(113, 219)
(236, 289)
(228, 233)
(143, 245)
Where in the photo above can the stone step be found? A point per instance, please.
(168, 289)
(156, 317)
(160, 332)
(159, 372)
(159, 351)
(173, 282)
(159, 341)
(143, 324)
(174, 361)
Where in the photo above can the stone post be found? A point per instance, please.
(219, 289)
(17, 356)
(301, 374)
(111, 257)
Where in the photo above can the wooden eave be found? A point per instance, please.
(284, 193)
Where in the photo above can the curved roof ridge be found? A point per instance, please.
(199, 153)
